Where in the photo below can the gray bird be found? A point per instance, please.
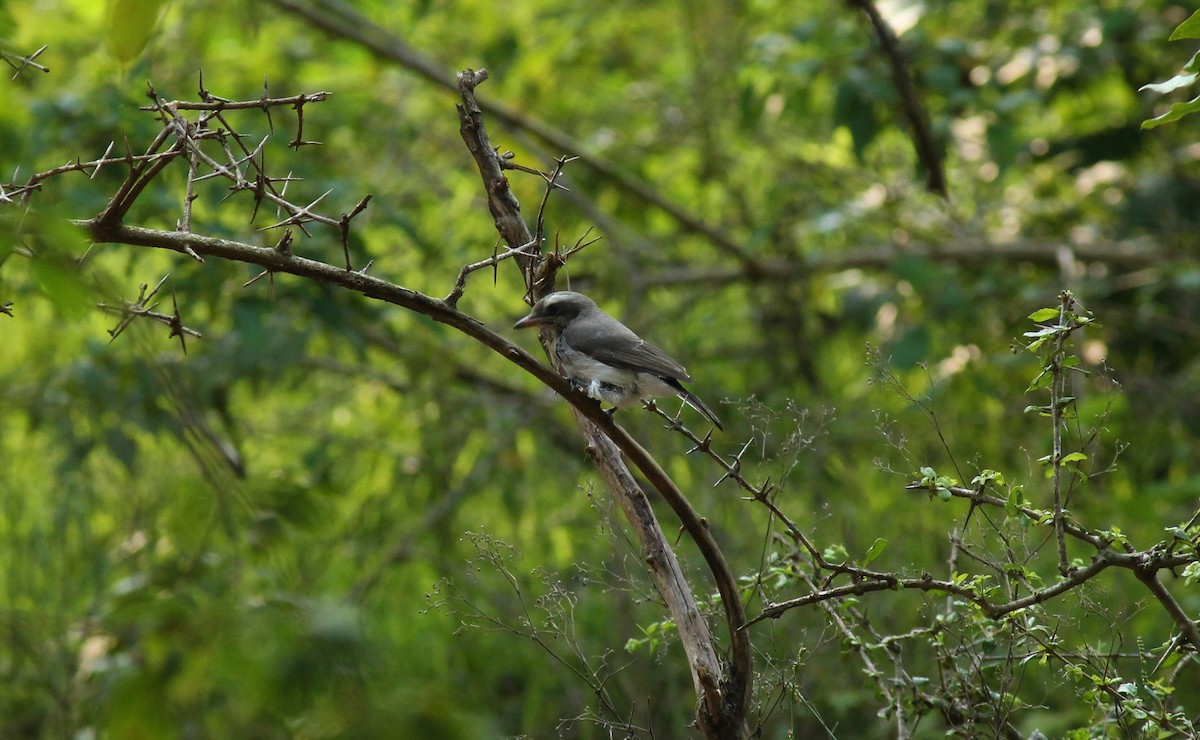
(602, 357)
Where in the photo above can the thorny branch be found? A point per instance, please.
(1145, 564)
(21, 63)
(212, 148)
(144, 309)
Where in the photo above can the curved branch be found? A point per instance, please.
(601, 432)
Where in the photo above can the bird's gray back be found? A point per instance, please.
(611, 342)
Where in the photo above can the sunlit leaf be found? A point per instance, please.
(1044, 314)
(875, 550)
(1189, 29)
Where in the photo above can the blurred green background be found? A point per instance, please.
(331, 518)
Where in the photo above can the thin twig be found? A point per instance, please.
(21, 63)
(525, 250)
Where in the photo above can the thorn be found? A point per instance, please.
(256, 278)
(177, 324)
(103, 157)
(284, 245)
(156, 289)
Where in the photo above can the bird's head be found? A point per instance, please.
(557, 309)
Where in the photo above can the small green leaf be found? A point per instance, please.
(1044, 314)
(1189, 29)
(988, 476)
(874, 550)
(928, 472)
(1015, 499)
(1174, 113)
(1074, 457)
(944, 494)
(1043, 380)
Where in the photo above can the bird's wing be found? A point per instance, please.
(633, 353)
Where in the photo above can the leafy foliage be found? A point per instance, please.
(334, 518)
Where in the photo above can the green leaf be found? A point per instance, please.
(1174, 113)
(1189, 29)
(988, 476)
(1044, 314)
(1015, 498)
(1043, 380)
(1074, 457)
(874, 550)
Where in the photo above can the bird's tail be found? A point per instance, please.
(691, 400)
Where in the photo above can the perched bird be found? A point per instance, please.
(602, 357)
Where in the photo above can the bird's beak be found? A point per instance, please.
(531, 320)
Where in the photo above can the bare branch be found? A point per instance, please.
(218, 104)
(460, 285)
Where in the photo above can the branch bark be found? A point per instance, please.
(604, 438)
